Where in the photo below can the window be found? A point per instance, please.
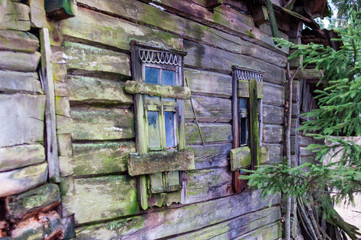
(247, 122)
(159, 91)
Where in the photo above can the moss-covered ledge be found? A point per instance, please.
(177, 92)
(155, 162)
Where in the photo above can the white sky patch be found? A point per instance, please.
(157, 6)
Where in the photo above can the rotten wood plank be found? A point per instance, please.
(18, 41)
(209, 109)
(155, 162)
(22, 119)
(213, 132)
(103, 90)
(115, 32)
(100, 198)
(211, 155)
(23, 179)
(89, 58)
(178, 92)
(21, 156)
(30, 203)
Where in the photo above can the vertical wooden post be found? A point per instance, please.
(235, 111)
(50, 118)
(254, 135)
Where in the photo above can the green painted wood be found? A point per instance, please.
(102, 90)
(100, 198)
(32, 202)
(89, 58)
(21, 156)
(168, 222)
(253, 119)
(154, 162)
(177, 92)
(100, 124)
(114, 31)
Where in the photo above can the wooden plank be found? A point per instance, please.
(100, 198)
(235, 227)
(39, 227)
(273, 115)
(37, 14)
(273, 94)
(269, 232)
(17, 16)
(18, 61)
(170, 222)
(50, 120)
(96, 27)
(23, 179)
(22, 119)
(32, 202)
(273, 134)
(208, 184)
(275, 153)
(178, 92)
(22, 82)
(209, 83)
(253, 123)
(209, 58)
(101, 124)
(89, 58)
(243, 89)
(18, 41)
(21, 156)
(212, 132)
(212, 155)
(155, 162)
(209, 109)
(102, 90)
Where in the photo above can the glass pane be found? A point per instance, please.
(153, 130)
(168, 78)
(152, 75)
(170, 130)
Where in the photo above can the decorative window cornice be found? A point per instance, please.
(159, 57)
(246, 74)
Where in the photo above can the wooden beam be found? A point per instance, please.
(50, 118)
(178, 92)
(155, 162)
(254, 136)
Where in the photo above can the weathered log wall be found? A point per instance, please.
(28, 203)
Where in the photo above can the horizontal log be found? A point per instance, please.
(273, 94)
(18, 61)
(170, 222)
(209, 83)
(273, 114)
(273, 231)
(22, 119)
(102, 90)
(235, 227)
(209, 58)
(209, 109)
(100, 198)
(85, 57)
(43, 226)
(100, 158)
(19, 82)
(18, 41)
(211, 132)
(177, 92)
(17, 17)
(272, 134)
(23, 179)
(309, 74)
(240, 158)
(115, 32)
(208, 184)
(21, 156)
(212, 155)
(101, 124)
(32, 202)
(155, 162)
(275, 153)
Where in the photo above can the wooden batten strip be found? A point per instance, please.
(243, 89)
(155, 162)
(178, 92)
(50, 118)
